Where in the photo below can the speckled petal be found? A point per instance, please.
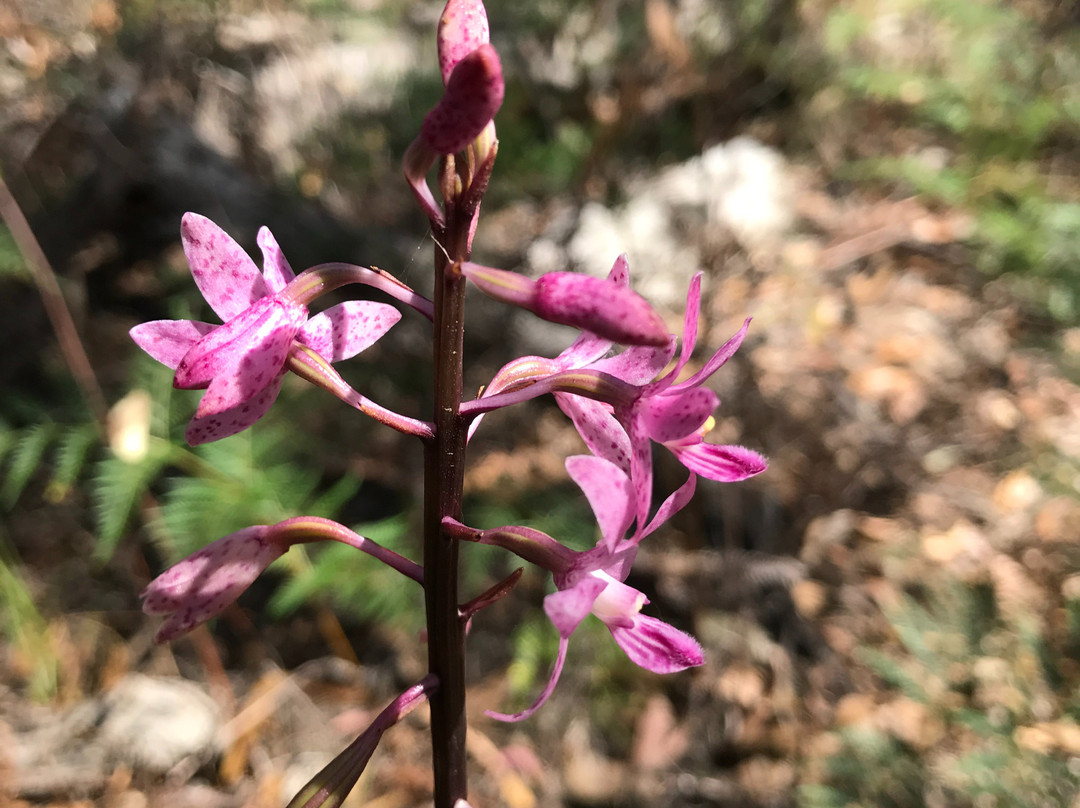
(725, 464)
(474, 93)
(220, 351)
(203, 584)
(224, 273)
(598, 427)
(638, 364)
(671, 417)
(463, 27)
(589, 347)
(608, 489)
(217, 425)
(600, 306)
(168, 340)
(641, 467)
(655, 646)
(276, 270)
(671, 506)
(348, 328)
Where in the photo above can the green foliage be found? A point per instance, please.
(117, 487)
(998, 91)
(976, 673)
(26, 630)
(12, 265)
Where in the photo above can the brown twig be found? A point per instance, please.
(67, 335)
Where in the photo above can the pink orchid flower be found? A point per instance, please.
(241, 364)
(676, 415)
(202, 585)
(205, 583)
(593, 581)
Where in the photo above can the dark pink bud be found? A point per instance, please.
(463, 28)
(474, 93)
(600, 307)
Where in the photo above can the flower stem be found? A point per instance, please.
(444, 462)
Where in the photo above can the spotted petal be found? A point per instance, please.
(168, 340)
(212, 426)
(224, 273)
(276, 270)
(203, 584)
(568, 607)
(610, 494)
(348, 328)
(672, 417)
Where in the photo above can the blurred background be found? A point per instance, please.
(891, 614)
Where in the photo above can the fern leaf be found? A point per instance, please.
(117, 487)
(26, 459)
(75, 445)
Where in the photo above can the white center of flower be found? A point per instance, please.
(616, 601)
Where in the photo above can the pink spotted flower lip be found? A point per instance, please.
(241, 364)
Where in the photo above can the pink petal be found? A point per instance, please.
(548, 690)
(671, 417)
(221, 350)
(589, 347)
(671, 506)
(204, 583)
(348, 328)
(568, 607)
(224, 273)
(609, 492)
(276, 270)
(463, 28)
(620, 271)
(638, 364)
(725, 464)
(600, 306)
(205, 428)
(654, 645)
(168, 340)
(262, 356)
(598, 427)
(690, 321)
(474, 93)
(641, 469)
(727, 350)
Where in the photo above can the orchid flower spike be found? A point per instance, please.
(608, 309)
(241, 364)
(205, 583)
(593, 581)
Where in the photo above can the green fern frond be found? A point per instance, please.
(117, 487)
(71, 457)
(26, 459)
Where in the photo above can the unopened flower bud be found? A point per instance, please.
(474, 93)
(602, 307)
(463, 28)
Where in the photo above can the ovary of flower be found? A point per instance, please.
(241, 363)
